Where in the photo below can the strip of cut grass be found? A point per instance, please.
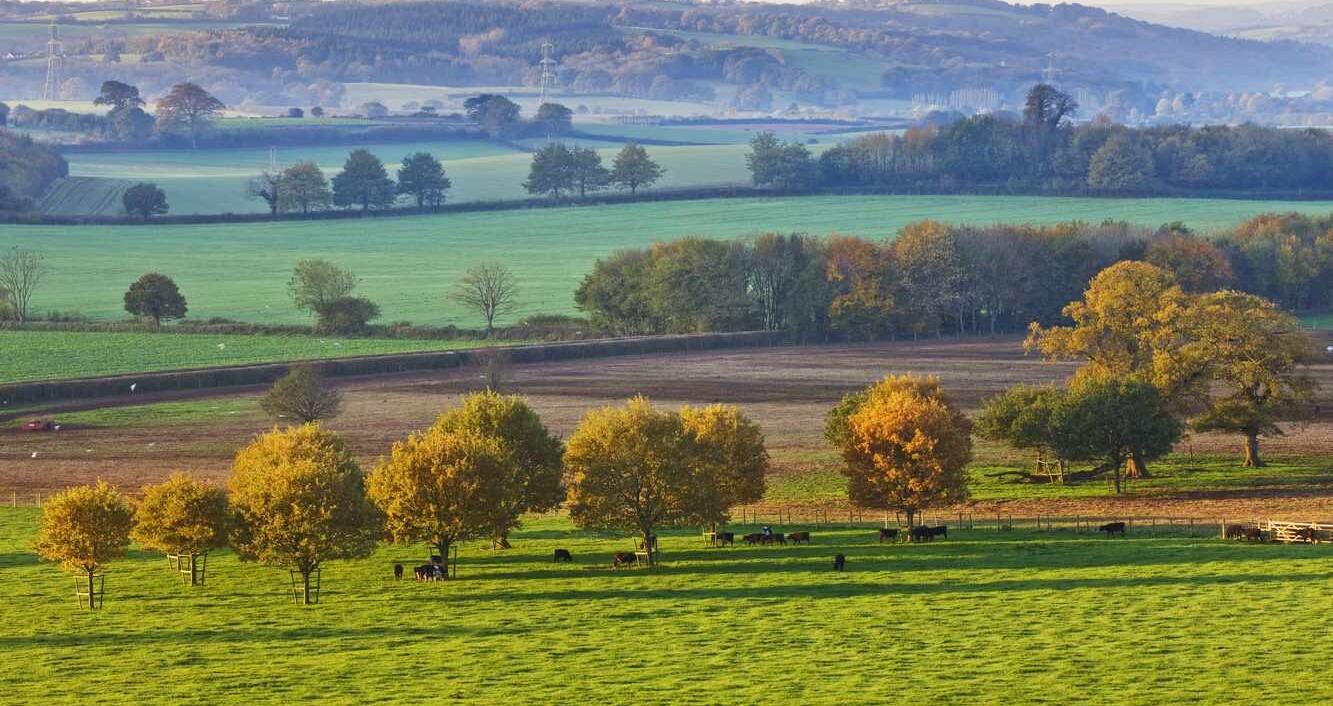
(1016, 617)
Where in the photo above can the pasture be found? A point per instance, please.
(214, 180)
(41, 355)
(1050, 618)
(409, 264)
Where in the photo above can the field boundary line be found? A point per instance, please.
(222, 377)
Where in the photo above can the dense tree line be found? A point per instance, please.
(935, 279)
(1044, 151)
(27, 168)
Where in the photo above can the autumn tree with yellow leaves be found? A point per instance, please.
(1259, 354)
(637, 468)
(904, 445)
(84, 528)
(300, 501)
(182, 516)
(527, 477)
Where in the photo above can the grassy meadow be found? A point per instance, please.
(43, 355)
(408, 265)
(984, 617)
(214, 180)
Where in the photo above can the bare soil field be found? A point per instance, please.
(787, 390)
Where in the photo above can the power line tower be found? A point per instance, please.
(55, 65)
(548, 68)
(1051, 72)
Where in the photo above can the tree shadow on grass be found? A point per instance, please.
(976, 555)
(250, 635)
(847, 586)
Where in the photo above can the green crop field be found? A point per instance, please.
(40, 355)
(982, 617)
(409, 264)
(214, 180)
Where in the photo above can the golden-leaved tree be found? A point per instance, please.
(904, 444)
(440, 488)
(84, 528)
(731, 461)
(530, 472)
(636, 468)
(182, 516)
(1133, 323)
(1259, 356)
(300, 501)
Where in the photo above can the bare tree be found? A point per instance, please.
(493, 366)
(302, 396)
(20, 272)
(487, 289)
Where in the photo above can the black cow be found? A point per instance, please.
(1233, 531)
(839, 562)
(889, 534)
(429, 572)
(920, 534)
(798, 537)
(939, 531)
(624, 559)
(775, 538)
(725, 539)
(562, 555)
(752, 538)
(1112, 528)
(398, 572)
(1306, 534)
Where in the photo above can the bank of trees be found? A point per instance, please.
(936, 279)
(27, 168)
(1156, 360)
(363, 184)
(558, 170)
(1044, 151)
(297, 498)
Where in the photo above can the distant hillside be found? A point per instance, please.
(1309, 21)
(747, 57)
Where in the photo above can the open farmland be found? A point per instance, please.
(1020, 617)
(214, 180)
(1035, 613)
(43, 355)
(408, 264)
(786, 390)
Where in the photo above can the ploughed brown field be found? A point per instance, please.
(786, 389)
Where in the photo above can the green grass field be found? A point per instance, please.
(409, 264)
(983, 617)
(214, 180)
(40, 355)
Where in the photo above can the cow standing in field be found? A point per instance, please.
(890, 534)
(839, 562)
(726, 539)
(920, 534)
(939, 531)
(624, 559)
(397, 572)
(1112, 528)
(799, 537)
(562, 555)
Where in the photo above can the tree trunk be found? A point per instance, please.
(194, 574)
(443, 547)
(911, 518)
(92, 598)
(1117, 479)
(1136, 467)
(647, 533)
(305, 586)
(1252, 459)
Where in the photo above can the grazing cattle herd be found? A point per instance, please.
(436, 571)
